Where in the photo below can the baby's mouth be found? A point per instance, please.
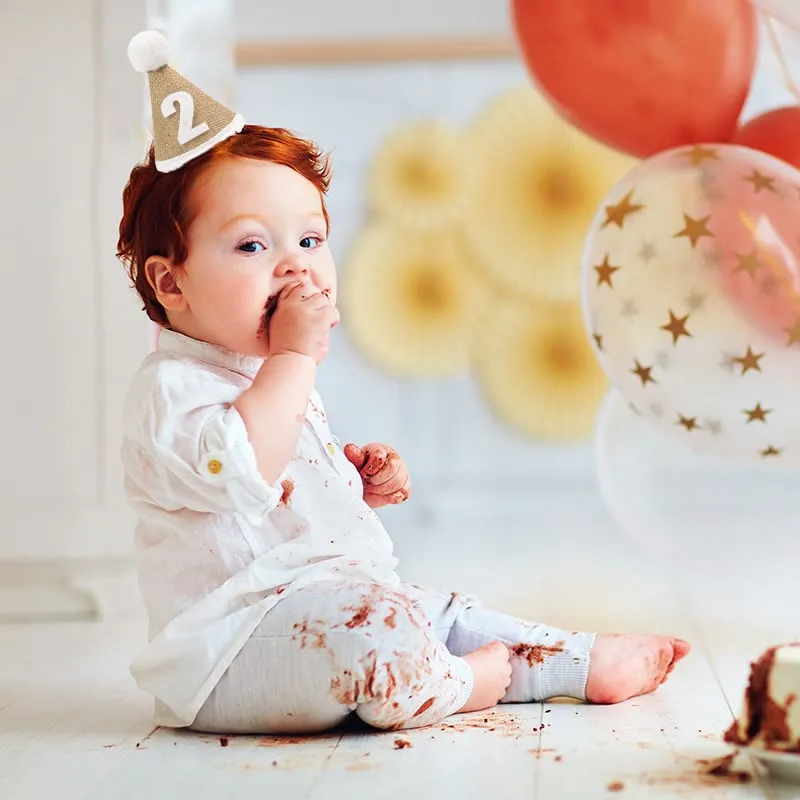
(272, 304)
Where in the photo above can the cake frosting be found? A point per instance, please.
(771, 716)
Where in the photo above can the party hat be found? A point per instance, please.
(186, 121)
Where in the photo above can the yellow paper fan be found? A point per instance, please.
(538, 372)
(409, 302)
(417, 175)
(534, 184)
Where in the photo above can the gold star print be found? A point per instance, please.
(618, 213)
(770, 451)
(676, 326)
(757, 414)
(604, 272)
(643, 373)
(749, 263)
(690, 423)
(598, 340)
(749, 360)
(761, 181)
(794, 333)
(694, 229)
(698, 154)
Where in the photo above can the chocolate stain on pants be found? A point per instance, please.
(391, 656)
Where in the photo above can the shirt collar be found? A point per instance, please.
(174, 342)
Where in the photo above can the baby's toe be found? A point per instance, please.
(681, 649)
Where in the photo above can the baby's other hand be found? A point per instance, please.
(383, 473)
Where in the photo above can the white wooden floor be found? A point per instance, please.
(72, 724)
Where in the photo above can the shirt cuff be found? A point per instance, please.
(228, 462)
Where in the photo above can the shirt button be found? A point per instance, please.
(330, 448)
(214, 466)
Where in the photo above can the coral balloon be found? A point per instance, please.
(777, 132)
(642, 75)
(690, 280)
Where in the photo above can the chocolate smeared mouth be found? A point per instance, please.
(269, 310)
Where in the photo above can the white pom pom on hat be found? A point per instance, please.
(148, 51)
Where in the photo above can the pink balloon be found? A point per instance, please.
(762, 280)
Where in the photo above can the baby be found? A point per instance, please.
(269, 580)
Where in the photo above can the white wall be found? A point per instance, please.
(276, 20)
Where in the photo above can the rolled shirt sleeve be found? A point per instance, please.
(194, 448)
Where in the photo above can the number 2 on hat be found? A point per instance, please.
(184, 103)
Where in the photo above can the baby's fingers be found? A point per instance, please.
(401, 494)
(392, 476)
(377, 456)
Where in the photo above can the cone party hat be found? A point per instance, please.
(186, 121)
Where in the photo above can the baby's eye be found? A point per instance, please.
(250, 247)
(310, 242)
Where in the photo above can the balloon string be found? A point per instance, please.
(788, 81)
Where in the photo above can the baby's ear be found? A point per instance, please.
(160, 274)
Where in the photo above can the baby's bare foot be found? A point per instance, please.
(623, 666)
(491, 673)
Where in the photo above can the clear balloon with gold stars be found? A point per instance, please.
(691, 293)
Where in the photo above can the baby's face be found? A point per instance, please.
(257, 226)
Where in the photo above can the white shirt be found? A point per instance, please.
(216, 545)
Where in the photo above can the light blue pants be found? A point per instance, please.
(392, 656)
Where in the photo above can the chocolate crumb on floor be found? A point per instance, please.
(401, 744)
(721, 768)
(617, 786)
(224, 741)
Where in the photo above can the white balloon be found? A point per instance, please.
(682, 504)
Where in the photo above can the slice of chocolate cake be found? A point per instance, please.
(771, 717)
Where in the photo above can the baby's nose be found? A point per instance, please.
(291, 265)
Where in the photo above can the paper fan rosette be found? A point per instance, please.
(534, 184)
(417, 175)
(409, 303)
(538, 372)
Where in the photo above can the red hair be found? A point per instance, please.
(155, 208)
